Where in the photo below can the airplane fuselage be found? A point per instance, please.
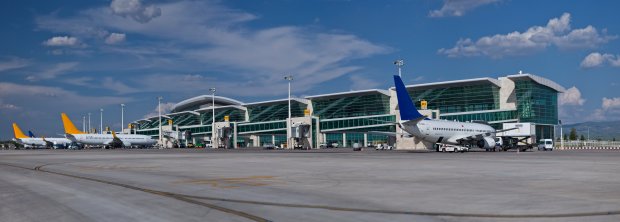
(447, 132)
(40, 142)
(105, 139)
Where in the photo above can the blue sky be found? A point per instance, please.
(80, 56)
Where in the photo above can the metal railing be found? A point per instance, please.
(587, 143)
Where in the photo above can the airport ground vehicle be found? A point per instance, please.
(522, 137)
(382, 146)
(269, 146)
(545, 144)
(451, 148)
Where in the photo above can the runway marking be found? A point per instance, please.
(234, 182)
(191, 199)
(114, 167)
(155, 192)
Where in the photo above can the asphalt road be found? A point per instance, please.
(327, 185)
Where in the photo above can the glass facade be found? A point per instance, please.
(485, 116)
(200, 129)
(185, 119)
(536, 103)
(261, 127)
(351, 106)
(277, 139)
(270, 112)
(458, 98)
(235, 115)
(327, 124)
(358, 137)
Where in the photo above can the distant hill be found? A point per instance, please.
(598, 130)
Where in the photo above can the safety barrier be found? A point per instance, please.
(591, 148)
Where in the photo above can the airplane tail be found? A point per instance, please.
(30, 134)
(69, 127)
(405, 105)
(18, 132)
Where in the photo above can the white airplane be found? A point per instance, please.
(441, 131)
(34, 142)
(114, 140)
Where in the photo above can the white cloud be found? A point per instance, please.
(360, 83)
(610, 110)
(611, 103)
(165, 108)
(119, 87)
(115, 38)
(214, 38)
(458, 7)
(62, 41)
(13, 63)
(53, 72)
(571, 97)
(596, 59)
(557, 33)
(8, 107)
(135, 10)
(33, 97)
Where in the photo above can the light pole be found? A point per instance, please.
(561, 135)
(159, 98)
(89, 127)
(122, 116)
(101, 121)
(399, 63)
(212, 117)
(83, 123)
(289, 78)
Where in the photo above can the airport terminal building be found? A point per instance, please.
(363, 117)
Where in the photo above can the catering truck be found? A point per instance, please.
(522, 137)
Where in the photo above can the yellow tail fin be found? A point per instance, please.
(69, 127)
(18, 132)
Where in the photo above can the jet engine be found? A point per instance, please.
(486, 143)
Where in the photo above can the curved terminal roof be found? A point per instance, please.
(464, 82)
(202, 101)
(271, 102)
(349, 93)
(540, 80)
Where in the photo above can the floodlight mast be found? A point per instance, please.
(122, 116)
(101, 121)
(289, 78)
(212, 117)
(159, 98)
(399, 63)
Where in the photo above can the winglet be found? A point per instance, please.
(405, 105)
(114, 135)
(18, 132)
(69, 127)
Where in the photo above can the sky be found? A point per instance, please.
(82, 56)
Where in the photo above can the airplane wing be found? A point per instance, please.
(70, 137)
(481, 135)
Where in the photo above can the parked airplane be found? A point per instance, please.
(34, 142)
(114, 140)
(441, 131)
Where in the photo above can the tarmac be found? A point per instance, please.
(316, 185)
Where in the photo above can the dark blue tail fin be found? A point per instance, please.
(30, 134)
(407, 109)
